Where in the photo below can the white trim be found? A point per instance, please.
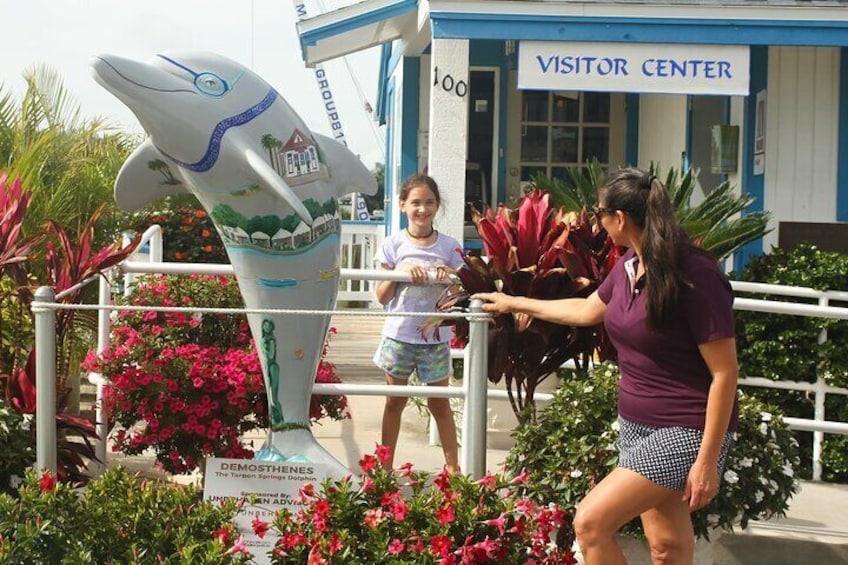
(766, 12)
(340, 15)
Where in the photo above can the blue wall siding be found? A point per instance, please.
(753, 184)
(490, 53)
(411, 117)
(631, 144)
(842, 154)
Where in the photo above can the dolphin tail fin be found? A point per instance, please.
(146, 177)
(349, 174)
(268, 177)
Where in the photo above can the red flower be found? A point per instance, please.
(445, 515)
(368, 463)
(260, 527)
(440, 545)
(47, 482)
(224, 535)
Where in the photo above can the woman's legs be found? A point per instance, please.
(669, 531)
(616, 500)
(441, 410)
(392, 414)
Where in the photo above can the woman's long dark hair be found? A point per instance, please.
(645, 200)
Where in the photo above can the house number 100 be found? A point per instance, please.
(460, 88)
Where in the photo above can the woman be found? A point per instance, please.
(668, 310)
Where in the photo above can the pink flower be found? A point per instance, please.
(521, 478)
(497, 523)
(383, 453)
(396, 547)
(488, 481)
(239, 547)
(335, 545)
(405, 470)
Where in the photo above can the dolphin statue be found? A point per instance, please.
(270, 185)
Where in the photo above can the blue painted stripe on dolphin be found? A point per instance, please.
(214, 148)
(448, 25)
(276, 283)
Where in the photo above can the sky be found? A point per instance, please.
(260, 34)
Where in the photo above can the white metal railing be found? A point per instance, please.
(360, 242)
(819, 424)
(474, 390)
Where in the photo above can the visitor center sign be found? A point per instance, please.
(633, 67)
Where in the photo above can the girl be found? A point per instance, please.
(424, 253)
(668, 310)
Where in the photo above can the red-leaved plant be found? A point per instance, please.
(69, 261)
(189, 386)
(536, 251)
(404, 516)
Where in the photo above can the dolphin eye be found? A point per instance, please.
(212, 84)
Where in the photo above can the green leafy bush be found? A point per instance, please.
(783, 347)
(18, 443)
(118, 518)
(188, 235)
(572, 446)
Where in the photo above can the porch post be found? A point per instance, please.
(448, 129)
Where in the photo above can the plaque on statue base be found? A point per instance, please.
(272, 485)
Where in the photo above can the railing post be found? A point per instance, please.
(464, 459)
(818, 410)
(104, 326)
(475, 403)
(45, 379)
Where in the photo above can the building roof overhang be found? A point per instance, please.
(354, 28)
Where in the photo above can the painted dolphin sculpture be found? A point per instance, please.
(219, 131)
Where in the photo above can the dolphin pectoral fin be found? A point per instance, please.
(269, 178)
(146, 177)
(349, 174)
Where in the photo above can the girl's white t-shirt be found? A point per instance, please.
(398, 250)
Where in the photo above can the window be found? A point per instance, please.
(563, 129)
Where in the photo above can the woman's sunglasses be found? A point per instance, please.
(598, 210)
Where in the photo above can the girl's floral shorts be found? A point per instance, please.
(664, 456)
(430, 360)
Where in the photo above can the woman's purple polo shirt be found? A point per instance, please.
(664, 379)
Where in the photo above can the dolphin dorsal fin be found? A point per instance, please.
(348, 172)
(268, 177)
(145, 177)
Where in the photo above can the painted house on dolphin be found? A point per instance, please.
(486, 93)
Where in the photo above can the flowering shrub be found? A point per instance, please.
(572, 447)
(395, 517)
(18, 443)
(189, 236)
(117, 518)
(188, 386)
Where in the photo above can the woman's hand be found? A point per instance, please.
(495, 302)
(701, 484)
